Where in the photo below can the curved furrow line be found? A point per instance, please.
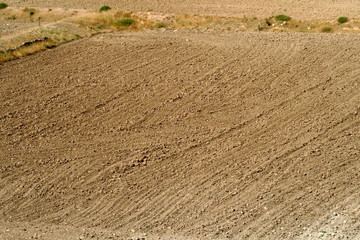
(69, 90)
(210, 137)
(289, 187)
(344, 215)
(178, 95)
(144, 82)
(317, 208)
(96, 70)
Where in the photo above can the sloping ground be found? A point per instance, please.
(185, 134)
(303, 9)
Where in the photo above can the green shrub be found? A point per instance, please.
(342, 19)
(282, 18)
(104, 8)
(124, 22)
(3, 5)
(326, 29)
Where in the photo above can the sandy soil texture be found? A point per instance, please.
(301, 9)
(184, 134)
(9, 27)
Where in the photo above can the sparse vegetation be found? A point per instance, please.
(104, 8)
(12, 17)
(122, 20)
(343, 19)
(282, 18)
(5, 56)
(30, 11)
(126, 22)
(268, 23)
(26, 50)
(3, 5)
(159, 25)
(326, 29)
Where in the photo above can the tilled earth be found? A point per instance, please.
(183, 135)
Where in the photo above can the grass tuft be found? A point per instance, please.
(282, 18)
(159, 25)
(3, 5)
(104, 8)
(12, 17)
(343, 19)
(326, 29)
(5, 56)
(126, 22)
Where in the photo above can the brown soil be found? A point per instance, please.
(183, 135)
(300, 9)
(10, 26)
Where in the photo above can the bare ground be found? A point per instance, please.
(183, 135)
(10, 26)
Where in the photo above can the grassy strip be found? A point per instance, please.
(26, 50)
(119, 20)
(72, 24)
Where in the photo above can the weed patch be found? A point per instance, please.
(3, 5)
(104, 8)
(326, 29)
(343, 19)
(159, 25)
(126, 22)
(12, 17)
(282, 18)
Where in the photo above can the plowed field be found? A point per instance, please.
(183, 135)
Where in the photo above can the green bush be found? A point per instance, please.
(282, 18)
(3, 5)
(124, 22)
(104, 8)
(342, 19)
(326, 29)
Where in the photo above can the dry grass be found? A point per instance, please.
(100, 21)
(26, 50)
(83, 23)
(109, 20)
(46, 15)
